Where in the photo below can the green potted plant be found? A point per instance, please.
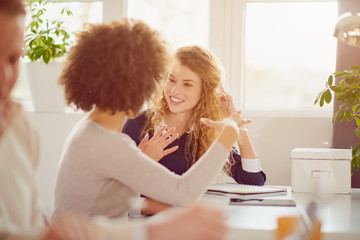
(47, 40)
(347, 92)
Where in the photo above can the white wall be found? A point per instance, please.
(273, 138)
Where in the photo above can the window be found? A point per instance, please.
(289, 52)
(277, 54)
(182, 22)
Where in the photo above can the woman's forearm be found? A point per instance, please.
(227, 137)
(151, 206)
(246, 147)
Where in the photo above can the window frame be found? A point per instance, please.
(227, 41)
(112, 9)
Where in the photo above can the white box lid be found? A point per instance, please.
(321, 153)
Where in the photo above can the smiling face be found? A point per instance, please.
(182, 89)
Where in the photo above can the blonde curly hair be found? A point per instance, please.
(207, 67)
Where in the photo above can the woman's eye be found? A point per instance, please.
(187, 85)
(171, 80)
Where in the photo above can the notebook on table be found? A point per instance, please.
(245, 191)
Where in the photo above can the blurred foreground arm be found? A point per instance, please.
(197, 223)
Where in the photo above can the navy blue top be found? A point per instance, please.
(176, 161)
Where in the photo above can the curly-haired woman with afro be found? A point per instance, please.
(192, 90)
(111, 72)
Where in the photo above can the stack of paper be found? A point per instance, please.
(245, 191)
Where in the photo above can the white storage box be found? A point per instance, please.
(312, 166)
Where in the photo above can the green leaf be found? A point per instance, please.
(355, 67)
(318, 97)
(330, 80)
(341, 117)
(342, 84)
(37, 53)
(355, 163)
(322, 98)
(341, 96)
(357, 132)
(348, 115)
(334, 116)
(46, 57)
(336, 73)
(327, 96)
(355, 108)
(335, 88)
(350, 80)
(339, 74)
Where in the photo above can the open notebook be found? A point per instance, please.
(245, 191)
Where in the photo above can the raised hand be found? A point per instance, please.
(227, 102)
(233, 120)
(154, 147)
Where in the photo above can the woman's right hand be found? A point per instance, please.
(154, 148)
(227, 101)
(151, 206)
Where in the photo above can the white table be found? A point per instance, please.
(340, 215)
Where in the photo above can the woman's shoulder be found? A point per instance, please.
(21, 139)
(140, 119)
(88, 134)
(134, 126)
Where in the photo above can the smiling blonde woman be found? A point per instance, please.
(192, 90)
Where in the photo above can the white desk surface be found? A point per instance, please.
(340, 216)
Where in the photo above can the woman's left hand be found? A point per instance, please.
(154, 147)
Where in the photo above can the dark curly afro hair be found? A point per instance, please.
(115, 66)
